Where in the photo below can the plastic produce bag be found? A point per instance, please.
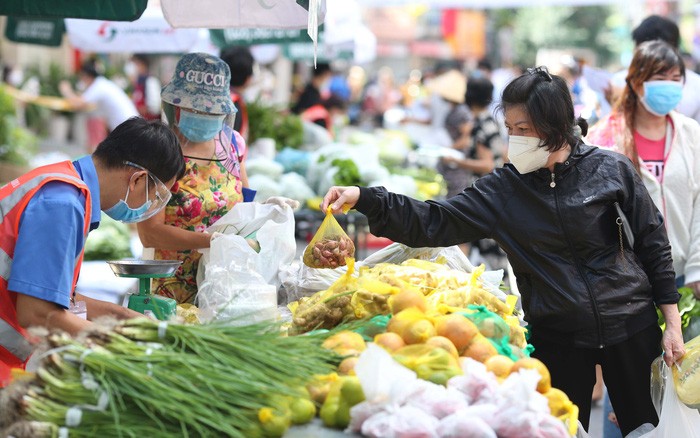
(686, 376)
(272, 227)
(462, 425)
(675, 419)
(401, 422)
(330, 245)
(325, 309)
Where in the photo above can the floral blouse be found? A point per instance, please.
(203, 195)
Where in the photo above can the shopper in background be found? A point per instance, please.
(652, 28)
(241, 62)
(197, 104)
(113, 104)
(482, 152)
(588, 298)
(47, 215)
(146, 92)
(311, 95)
(327, 113)
(663, 145)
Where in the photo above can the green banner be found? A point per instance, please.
(245, 37)
(305, 52)
(44, 32)
(112, 10)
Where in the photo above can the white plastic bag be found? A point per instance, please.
(272, 226)
(676, 419)
(401, 422)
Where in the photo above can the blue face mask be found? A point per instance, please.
(200, 127)
(660, 97)
(123, 213)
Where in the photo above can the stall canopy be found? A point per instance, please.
(122, 10)
(149, 34)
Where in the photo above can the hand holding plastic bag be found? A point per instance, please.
(330, 246)
(675, 419)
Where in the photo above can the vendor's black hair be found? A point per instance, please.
(479, 92)
(241, 62)
(547, 101)
(150, 144)
(656, 27)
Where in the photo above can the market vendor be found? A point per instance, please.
(197, 105)
(589, 288)
(46, 215)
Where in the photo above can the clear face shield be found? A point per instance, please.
(226, 150)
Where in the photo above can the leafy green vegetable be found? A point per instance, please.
(271, 122)
(348, 174)
(111, 241)
(688, 307)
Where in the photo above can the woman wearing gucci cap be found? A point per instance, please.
(197, 105)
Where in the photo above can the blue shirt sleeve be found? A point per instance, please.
(49, 241)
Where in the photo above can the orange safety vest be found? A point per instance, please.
(318, 112)
(15, 349)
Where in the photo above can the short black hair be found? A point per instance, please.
(150, 144)
(90, 68)
(321, 69)
(240, 61)
(656, 27)
(484, 64)
(547, 101)
(143, 59)
(479, 92)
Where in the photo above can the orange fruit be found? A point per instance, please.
(444, 343)
(389, 341)
(480, 349)
(345, 343)
(401, 320)
(457, 329)
(347, 366)
(406, 299)
(499, 365)
(418, 332)
(545, 383)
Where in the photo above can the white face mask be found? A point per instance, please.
(526, 154)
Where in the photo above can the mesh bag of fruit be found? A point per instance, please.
(330, 245)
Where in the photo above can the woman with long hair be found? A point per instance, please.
(664, 147)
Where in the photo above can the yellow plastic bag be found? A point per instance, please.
(430, 363)
(686, 376)
(327, 308)
(330, 246)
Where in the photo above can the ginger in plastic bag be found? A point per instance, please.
(330, 245)
(686, 376)
(325, 309)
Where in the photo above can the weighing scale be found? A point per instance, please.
(145, 302)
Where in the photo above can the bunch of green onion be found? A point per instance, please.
(141, 378)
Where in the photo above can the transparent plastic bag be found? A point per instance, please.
(330, 246)
(686, 375)
(675, 419)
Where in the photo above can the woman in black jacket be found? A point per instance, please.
(587, 245)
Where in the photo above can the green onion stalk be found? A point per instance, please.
(145, 378)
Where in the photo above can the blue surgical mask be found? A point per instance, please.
(660, 97)
(123, 213)
(200, 127)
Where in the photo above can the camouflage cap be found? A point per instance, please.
(200, 82)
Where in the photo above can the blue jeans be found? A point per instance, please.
(610, 429)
